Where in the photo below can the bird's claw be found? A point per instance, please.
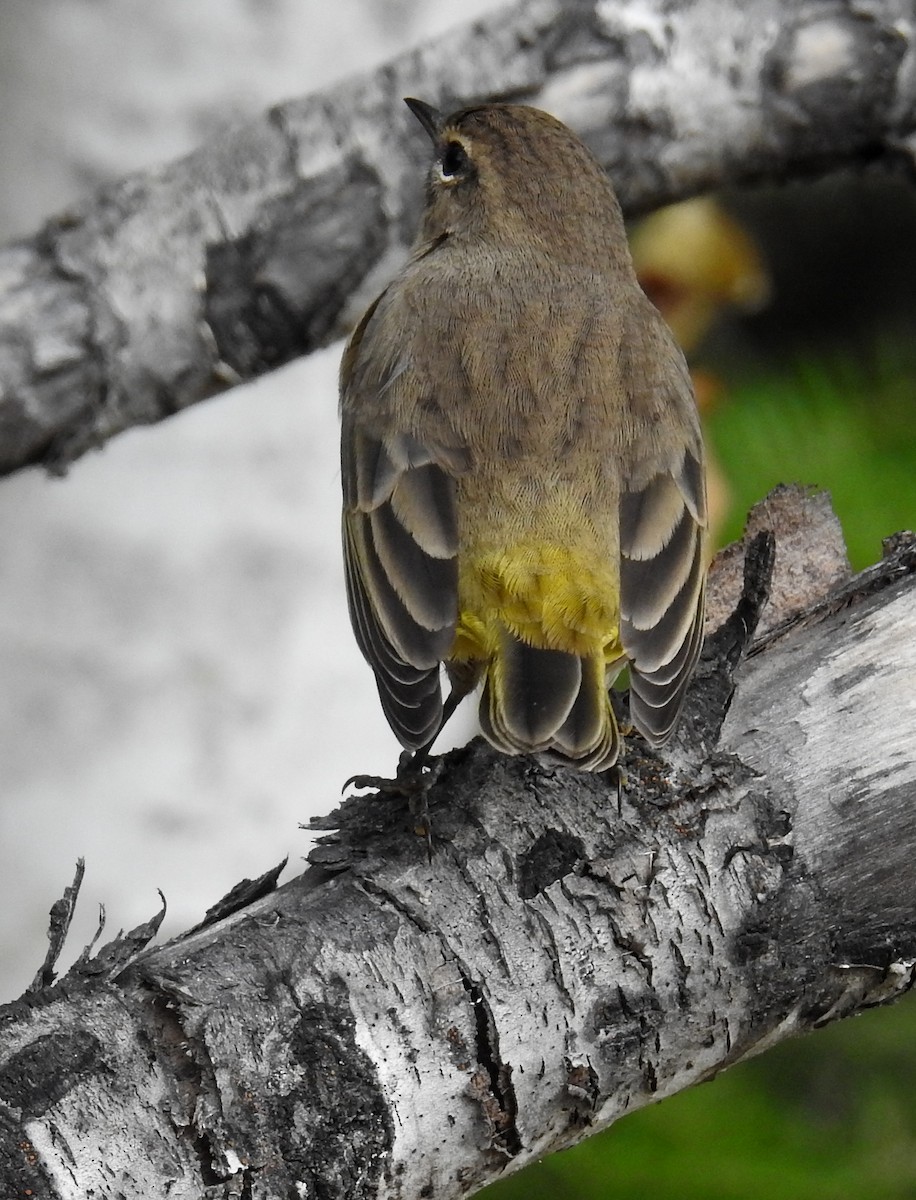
(416, 775)
(413, 779)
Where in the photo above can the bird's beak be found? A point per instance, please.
(430, 118)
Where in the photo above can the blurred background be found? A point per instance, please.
(178, 683)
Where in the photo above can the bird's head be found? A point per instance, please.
(515, 175)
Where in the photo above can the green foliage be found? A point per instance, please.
(831, 1116)
(826, 1117)
(848, 426)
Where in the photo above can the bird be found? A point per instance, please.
(522, 465)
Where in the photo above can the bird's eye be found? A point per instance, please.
(454, 160)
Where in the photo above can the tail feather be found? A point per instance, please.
(538, 689)
(537, 700)
(591, 722)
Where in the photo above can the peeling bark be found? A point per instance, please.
(172, 285)
(390, 1026)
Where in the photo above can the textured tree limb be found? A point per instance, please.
(386, 1026)
(172, 285)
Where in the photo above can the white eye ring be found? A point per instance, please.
(452, 163)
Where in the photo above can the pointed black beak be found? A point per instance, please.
(430, 118)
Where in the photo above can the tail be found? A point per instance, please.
(549, 700)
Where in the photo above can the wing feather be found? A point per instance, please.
(423, 500)
(400, 542)
(425, 585)
(411, 696)
(691, 481)
(653, 583)
(648, 517)
(663, 522)
(656, 698)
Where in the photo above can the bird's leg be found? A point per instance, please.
(621, 709)
(416, 774)
(426, 772)
(417, 771)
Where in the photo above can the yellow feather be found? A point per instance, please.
(552, 597)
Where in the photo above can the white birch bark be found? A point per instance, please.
(390, 1026)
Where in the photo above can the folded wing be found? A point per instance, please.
(400, 557)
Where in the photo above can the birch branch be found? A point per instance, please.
(170, 286)
(388, 1026)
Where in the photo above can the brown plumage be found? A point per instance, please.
(524, 495)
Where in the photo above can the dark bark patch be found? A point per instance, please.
(340, 1104)
(21, 1162)
(44, 1071)
(491, 1084)
(278, 290)
(551, 856)
(832, 79)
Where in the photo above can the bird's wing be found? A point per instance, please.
(662, 538)
(400, 537)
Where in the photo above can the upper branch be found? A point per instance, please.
(171, 285)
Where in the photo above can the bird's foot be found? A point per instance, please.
(416, 775)
(413, 777)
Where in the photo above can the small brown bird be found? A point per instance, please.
(523, 478)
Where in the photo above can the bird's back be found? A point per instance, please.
(522, 458)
